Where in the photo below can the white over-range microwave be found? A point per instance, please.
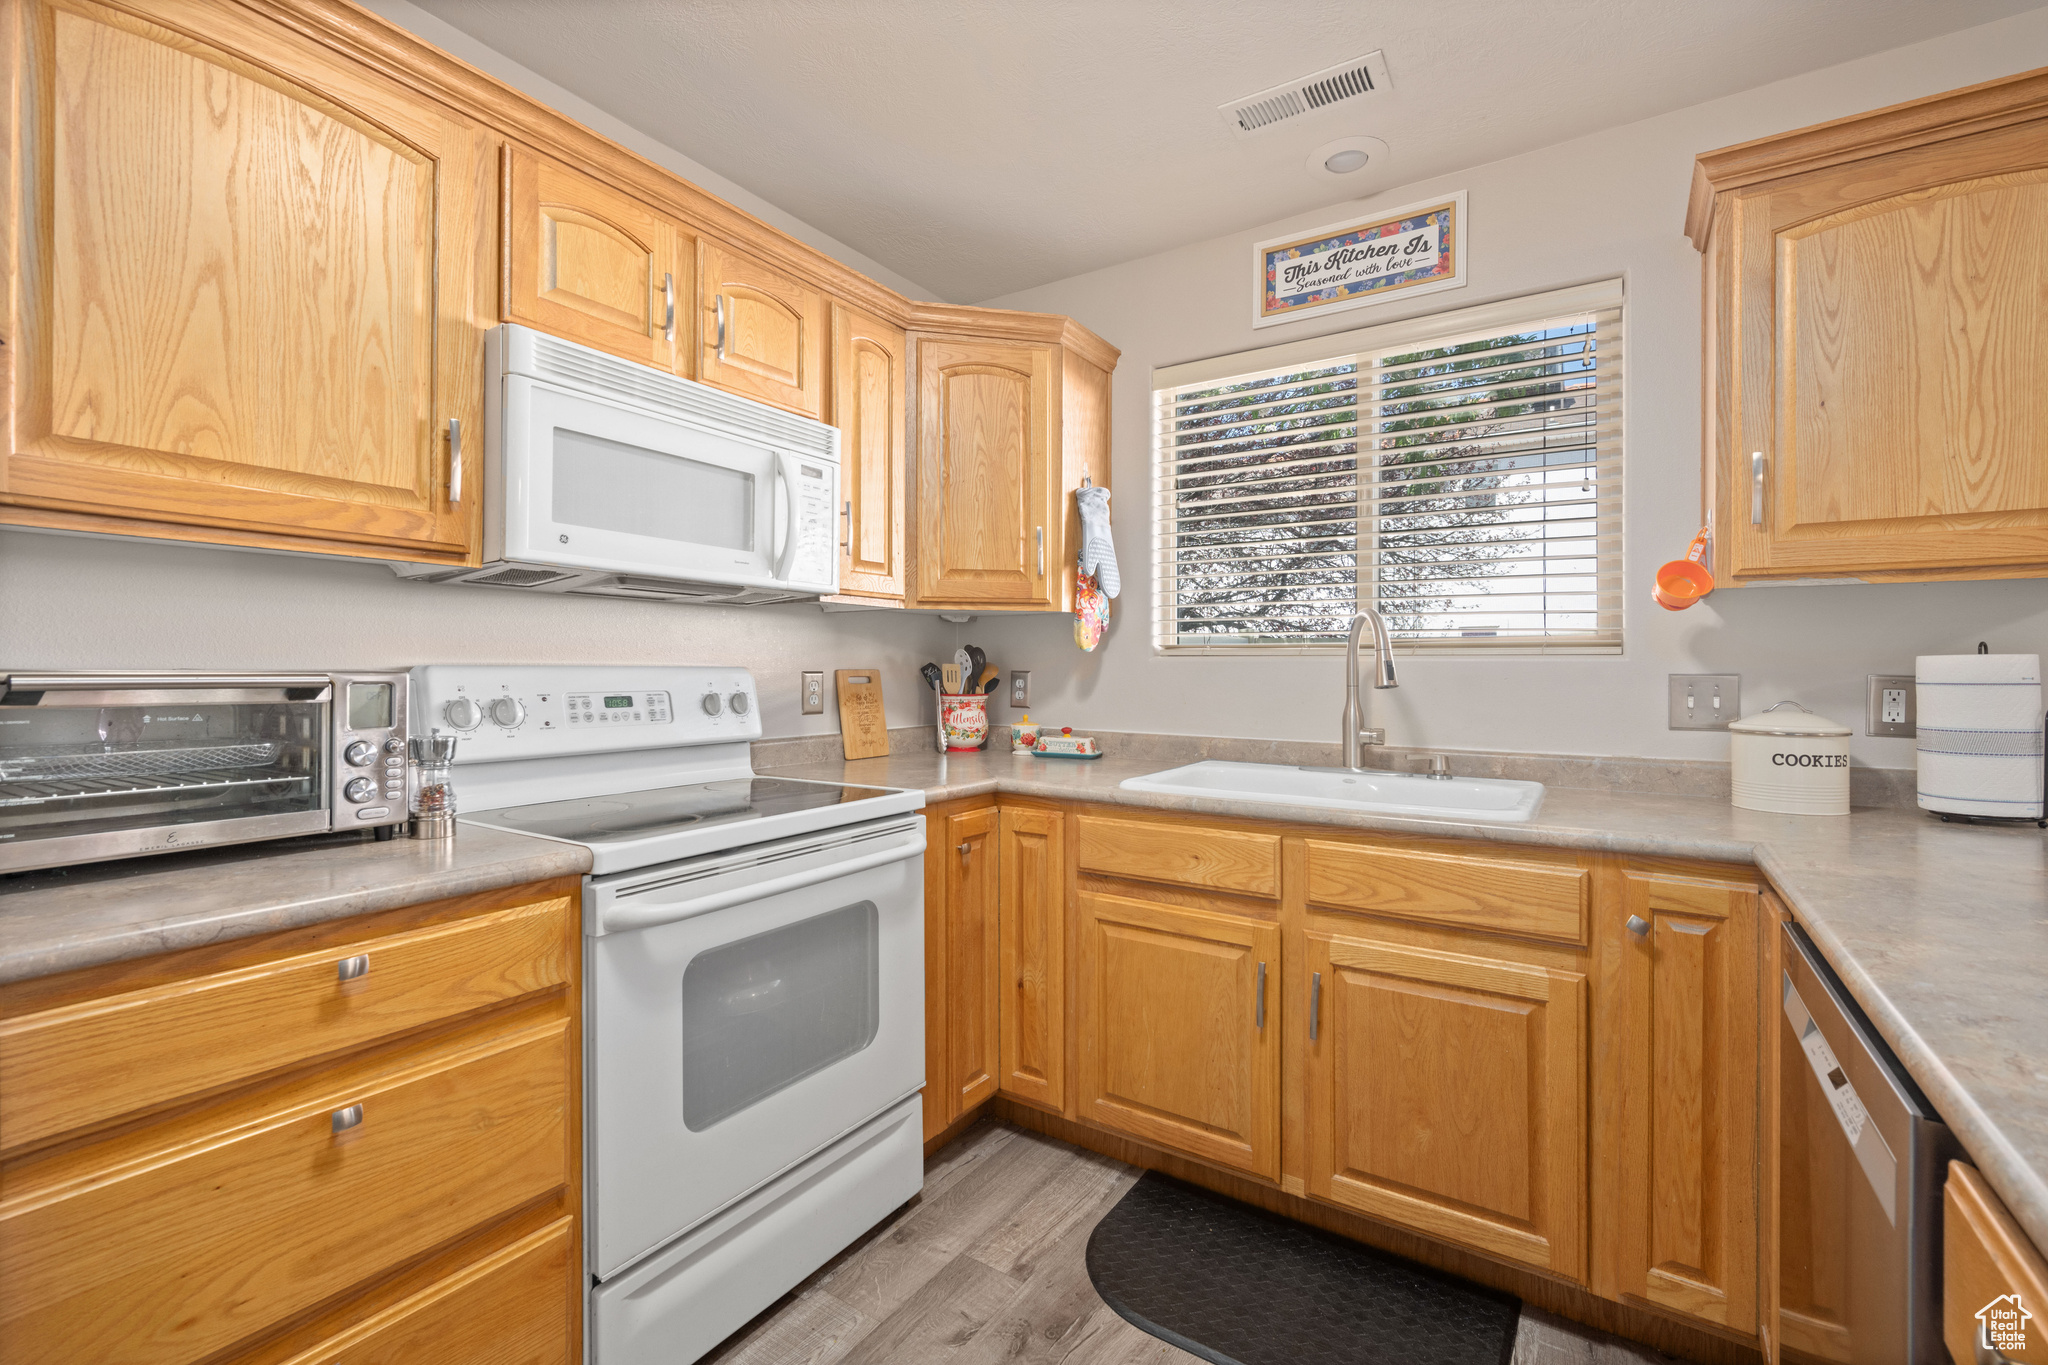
(610, 478)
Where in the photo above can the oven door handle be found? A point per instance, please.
(616, 918)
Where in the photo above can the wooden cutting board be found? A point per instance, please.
(862, 729)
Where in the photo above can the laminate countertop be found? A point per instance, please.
(1939, 931)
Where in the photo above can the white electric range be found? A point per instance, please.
(753, 983)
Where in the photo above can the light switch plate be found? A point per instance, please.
(1890, 706)
(1705, 701)
(814, 693)
(1020, 688)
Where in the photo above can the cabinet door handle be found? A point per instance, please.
(718, 303)
(1638, 926)
(965, 849)
(1315, 1002)
(344, 1119)
(1756, 488)
(1262, 995)
(1041, 552)
(350, 968)
(454, 461)
(847, 513)
(668, 292)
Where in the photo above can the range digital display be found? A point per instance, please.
(617, 703)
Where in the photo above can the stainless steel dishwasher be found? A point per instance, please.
(1861, 1154)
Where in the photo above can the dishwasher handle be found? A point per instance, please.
(616, 918)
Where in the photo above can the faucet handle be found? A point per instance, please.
(1372, 736)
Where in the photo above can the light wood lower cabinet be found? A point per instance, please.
(1032, 958)
(962, 959)
(1446, 1093)
(1680, 955)
(585, 262)
(1177, 1027)
(1991, 1274)
(254, 1156)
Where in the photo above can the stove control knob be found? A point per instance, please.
(463, 714)
(740, 702)
(359, 789)
(506, 711)
(359, 754)
(712, 705)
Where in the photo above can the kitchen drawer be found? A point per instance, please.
(206, 1231)
(80, 1065)
(1523, 896)
(515, 1304)
(1186, 855)
(1984, 1258)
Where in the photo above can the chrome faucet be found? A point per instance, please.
(1356, 737)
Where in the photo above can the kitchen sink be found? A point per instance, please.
(1455, 798)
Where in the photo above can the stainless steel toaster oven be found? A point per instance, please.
(97, 766)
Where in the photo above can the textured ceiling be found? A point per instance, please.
(981, 148)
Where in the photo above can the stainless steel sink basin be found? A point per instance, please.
(1456, 798)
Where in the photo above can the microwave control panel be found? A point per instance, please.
(816, 498)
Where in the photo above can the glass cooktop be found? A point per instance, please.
(599, 820)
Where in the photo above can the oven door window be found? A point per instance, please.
(762, 1014)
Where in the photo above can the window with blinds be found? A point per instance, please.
(1461, 473)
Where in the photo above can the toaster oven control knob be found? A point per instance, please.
(506, 711)
(394, 746)
(359, 789)
(359, 754)
(463, 713)
(712, 705)
(739, 703)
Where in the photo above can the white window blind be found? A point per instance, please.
(1462, 473)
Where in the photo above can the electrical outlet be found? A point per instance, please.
(1705, 701)
(814, 693)
(1890, 706)
(1020, 688)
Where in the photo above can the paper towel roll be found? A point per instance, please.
(1981, 728)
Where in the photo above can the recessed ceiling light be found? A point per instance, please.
(1342, 160)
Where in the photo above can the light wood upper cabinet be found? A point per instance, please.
(1178, 1028)
(1874, 340)
(1032, 966)
(988, 424)
(1678, 1122)
(868, 395)
(1446, 1093)
(248, 301)
(762, 332)
(585, 262)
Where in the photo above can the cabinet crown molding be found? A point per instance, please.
(1934, 118)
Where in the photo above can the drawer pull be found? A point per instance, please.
(1262, 996)
(345, 1119)
(351, 968)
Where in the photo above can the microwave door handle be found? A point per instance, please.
(785, 514)
(621, 916)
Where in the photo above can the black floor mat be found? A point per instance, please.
(1240, 1286)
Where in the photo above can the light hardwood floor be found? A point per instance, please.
(986, 1266)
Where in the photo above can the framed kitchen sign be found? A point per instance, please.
(1408, 251)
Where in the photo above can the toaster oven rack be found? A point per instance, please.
(57, 765)
(43, 791)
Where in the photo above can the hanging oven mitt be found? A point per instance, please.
(1098, 551)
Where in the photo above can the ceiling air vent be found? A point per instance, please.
(1318, 90)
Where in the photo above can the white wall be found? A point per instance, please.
(1607, 205)
(77, 603)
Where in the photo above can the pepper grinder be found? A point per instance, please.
(433, 788)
